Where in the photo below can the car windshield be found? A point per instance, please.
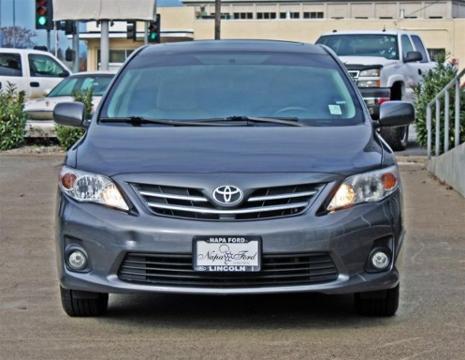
(363, 45)
(75, 84)
(216, 85)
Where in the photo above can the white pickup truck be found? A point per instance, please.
(387, 63)
(32, 71)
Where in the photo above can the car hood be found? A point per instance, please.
(366, 60)
(113, 150)
(49, 103)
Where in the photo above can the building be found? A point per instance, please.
(311, 9)
(440, 23)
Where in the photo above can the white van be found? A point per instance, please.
(32, 71)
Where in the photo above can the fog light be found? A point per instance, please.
(77, 260)
(380, 260)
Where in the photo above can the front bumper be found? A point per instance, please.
(348, 236)
(373, 98)
(40, 129)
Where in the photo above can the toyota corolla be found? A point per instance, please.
(230, 167)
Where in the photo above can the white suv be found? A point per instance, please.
(32, 71)
(391, 61)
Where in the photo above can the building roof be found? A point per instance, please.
(366, 32)
(300, 1)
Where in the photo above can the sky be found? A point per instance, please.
(25, 15)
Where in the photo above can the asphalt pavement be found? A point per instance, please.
(430, 323)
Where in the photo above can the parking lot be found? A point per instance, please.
(430, 323)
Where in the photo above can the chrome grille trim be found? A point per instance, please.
(259, 203)
(173, 196)
(228, 212)
(281, 196)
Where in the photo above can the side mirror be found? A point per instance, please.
(413, 56)
(70, 114)
(65, 74)
(396, 113)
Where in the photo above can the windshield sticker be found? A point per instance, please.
(334, 109)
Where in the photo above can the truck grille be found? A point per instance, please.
(168, 269)
(262, 203)
(354, 74)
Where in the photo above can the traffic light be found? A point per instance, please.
(131, 30)
(154, 30)
(44, 14)
(70, 55)
(68, 26)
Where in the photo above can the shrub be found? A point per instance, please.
(67, 136)
(12, 118)
(435, 81)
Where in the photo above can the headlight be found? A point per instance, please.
(87, 187)
(367, 187)
(368, 83)
(370, 73)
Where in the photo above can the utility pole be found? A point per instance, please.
(104, 44)
(14, 23)
(49, 41)
(76, 47)
(217, 19)
(56, 38)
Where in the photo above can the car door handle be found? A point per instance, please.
(34, 84)
(420, 72)
(0, 86)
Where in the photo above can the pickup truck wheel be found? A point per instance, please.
(83, 303)
(378, 303)
(397, 137)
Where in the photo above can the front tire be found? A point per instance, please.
(378, 303)
(396, 137)
(82, 303)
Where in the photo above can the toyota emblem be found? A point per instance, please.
(227, 195)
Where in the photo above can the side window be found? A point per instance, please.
(10, 65)
(87, 84)
(45, 66)
(406, 45)
(420, 47)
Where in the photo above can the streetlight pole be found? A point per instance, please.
(217, 19)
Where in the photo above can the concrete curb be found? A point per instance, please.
(450, 168)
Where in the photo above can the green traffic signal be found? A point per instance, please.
(154, 30)
(42, 20)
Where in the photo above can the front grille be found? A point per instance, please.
(262, 203)
(277, 270)
(354, 74)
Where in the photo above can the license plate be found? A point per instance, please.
(227, 253)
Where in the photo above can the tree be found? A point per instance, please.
(16, 36)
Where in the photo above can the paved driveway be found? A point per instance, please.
(429, 325)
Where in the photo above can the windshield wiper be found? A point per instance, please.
(139, 120)
(286, 121)
(225, 121)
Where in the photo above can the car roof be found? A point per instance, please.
(367, 32)
(235, 45)
(24, 51)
